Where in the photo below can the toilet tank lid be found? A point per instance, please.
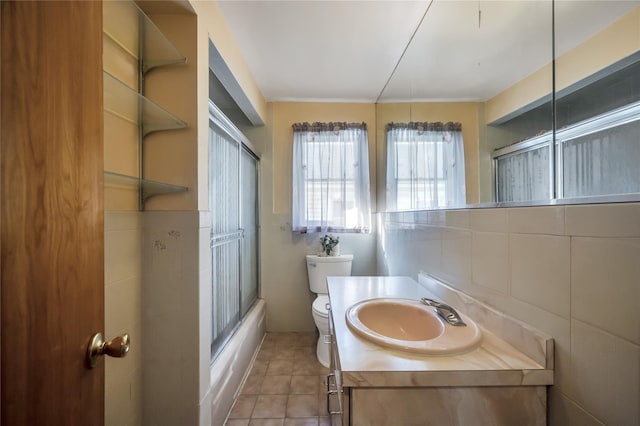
(329, 259)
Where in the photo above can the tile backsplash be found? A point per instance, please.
(570, 271)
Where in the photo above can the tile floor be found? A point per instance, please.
(285, 386)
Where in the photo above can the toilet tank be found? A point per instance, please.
(321, 267)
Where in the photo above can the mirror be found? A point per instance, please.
(489, 65)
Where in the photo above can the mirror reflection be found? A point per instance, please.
(488, 67)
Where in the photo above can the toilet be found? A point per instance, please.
(318, 269)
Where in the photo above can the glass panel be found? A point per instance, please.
(121, 20)
(149, 187)
(602, 163)
(124, 102)
(225, 236)
(524, 176)
(249, 217)
(225, 275)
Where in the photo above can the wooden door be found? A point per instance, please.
(51, 211)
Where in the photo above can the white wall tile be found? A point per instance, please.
(564, 411)
(456, 256)
(122, 255)
(540, 271)
(457, 218)
(489, 220)
(490, 260)
(605, 284)
(438, 217)
(121, 220)
(123, 306)
(553, 276)
(123, 313)
(536, 220)
(604, 220)
(604, 375)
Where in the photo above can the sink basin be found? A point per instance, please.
(410, 326)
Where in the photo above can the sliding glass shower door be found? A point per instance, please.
(233, 195)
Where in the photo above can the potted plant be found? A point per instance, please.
(329, 245)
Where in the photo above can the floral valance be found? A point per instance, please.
(327, 127)
(426, 126)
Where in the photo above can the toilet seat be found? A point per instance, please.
(319, 305)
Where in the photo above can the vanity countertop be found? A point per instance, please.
(365, 364)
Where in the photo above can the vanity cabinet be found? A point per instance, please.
(494, 384)
(133, 47)
(337, 399)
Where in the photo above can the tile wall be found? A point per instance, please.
(123, 314)
(570, 271)
(171, 327)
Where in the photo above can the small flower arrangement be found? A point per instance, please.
(329, 245)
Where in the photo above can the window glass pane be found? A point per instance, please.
(331, 182)
(602, 163)
(249, 214)
(524, 176)
(233, 194)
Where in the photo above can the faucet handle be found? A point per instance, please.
(429, 302)
(445, 311)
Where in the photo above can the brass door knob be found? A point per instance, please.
(117, 348)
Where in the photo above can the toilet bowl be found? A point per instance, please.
(321, 318)
(318, 269)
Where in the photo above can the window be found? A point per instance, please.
(331, 178)
(523, 171)
(233, 197)
(425, 166)
(600, 156)
(595, 157)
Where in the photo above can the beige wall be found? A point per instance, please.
(287, 113)
(284, 283)
(569, 271)
(211, 25)
(122, 256)
(169, 156)
(619, 40)
(465, 113)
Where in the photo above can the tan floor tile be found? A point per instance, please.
(304, 385)
(266, 354)
(279, 367)
(259, 367)
(243, 407)
(302, 406)
(322, 384)
(307, 352)
(309, 367)
(237, 422)
(302, 421)
(322, 405)
(268, 344)
(270, 406)
(252, 385)
(284, 352)
(273, 385)
(266, 422)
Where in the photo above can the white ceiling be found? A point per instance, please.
(348, 50)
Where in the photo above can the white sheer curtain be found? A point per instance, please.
(330, 178)
(425, 166)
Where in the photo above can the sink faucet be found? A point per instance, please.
(445, 311)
